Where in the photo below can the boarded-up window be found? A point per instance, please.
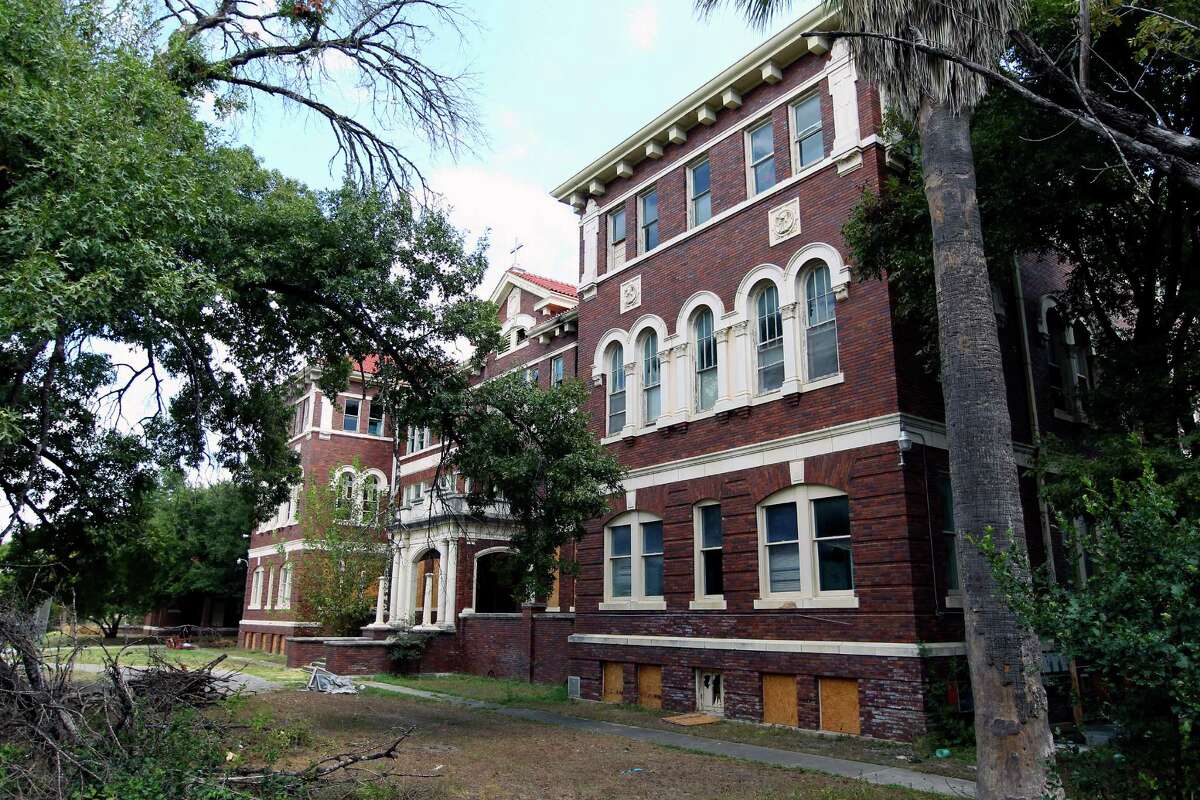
(780, 706)
(614, 682)
(649, 685)
(839, 705)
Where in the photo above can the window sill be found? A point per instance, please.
(787, 603)
(707, 604)
(821, 383)
(634, 605)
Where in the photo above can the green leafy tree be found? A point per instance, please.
(346, 551)
(1134, 620)
(532, 450)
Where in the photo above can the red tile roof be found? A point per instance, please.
(546, 283)
(369, 365)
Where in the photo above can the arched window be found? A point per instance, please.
(343, 501)
(651, 378)
(270, 588)
(495, 584)
(284, 598)
(369, 493)
(820, 324)
(769, 328)
(706, 360)
(256, 588)
(426, 572)
(616, 389)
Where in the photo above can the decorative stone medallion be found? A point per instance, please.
(783, 222)
(514, 302)
(631, 294)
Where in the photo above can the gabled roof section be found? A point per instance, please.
(760, 65)
(551, 292)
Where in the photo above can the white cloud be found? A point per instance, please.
(641, 26)
(512, 210)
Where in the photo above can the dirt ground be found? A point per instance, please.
(484, 756)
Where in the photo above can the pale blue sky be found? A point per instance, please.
(558, 84)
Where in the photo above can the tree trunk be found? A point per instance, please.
(1011, 730)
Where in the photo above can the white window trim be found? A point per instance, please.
(382, 419)
(793, 141)
(487, 551)
(357, 417)
(809, 595)
(802, 329)
(613, 248)
(637, 600)
(256, 586)
(611, 375)
(283, 599)
(643, 418)
(691, 200)
(641, 220)
(751, 189)
(701, 601)
(556, 360)
(752, 340)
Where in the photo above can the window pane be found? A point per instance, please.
(707, 390)
(764, 175)
(770, 368)
(618, 225)
(822, 351)
(783, 565)
(650, 207)
(831, 516)
(702, 210)
(652, 537)
(710, 526)
(653, 403)
(808, 115)
(781, 523)
(653, 573)
(652, 235)
(812, 149)
(762, 142)
(714, 581)
(835, 565)
(620, 540)
(350, 416)
(622, 577)
(700, 179)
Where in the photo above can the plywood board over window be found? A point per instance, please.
(839, 705)
(650, 685)
(780, 706)
(613, 689)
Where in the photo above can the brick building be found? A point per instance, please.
(781, 550)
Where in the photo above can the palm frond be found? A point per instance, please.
(758, 13)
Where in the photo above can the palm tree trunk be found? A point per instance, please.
(1011, 730)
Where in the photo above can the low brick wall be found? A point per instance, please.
(357, 657)
(551, 658)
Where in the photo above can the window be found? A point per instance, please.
(1067, 357)
(256, 588)
(284, 598)
(805, 553)
(558, 367)
(769, 329)
(634, 559)
(270, 588)
(496, 584)
(810, 141)
(706, 360)
(649, 220)
(762, 158)
(414, 494)
(369, 494)
(710, 575)
(820, 324)
(949, 538)
(446, 483)
(301, 418)
(375, 418)
(343, 500)
(700, 198)
(350, 414)
(417, 439)
(651, 378)
(616, 389)
(616, 238)
(531, 376)
(520, 335)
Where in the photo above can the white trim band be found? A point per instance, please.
(279, 623)
(886, 649)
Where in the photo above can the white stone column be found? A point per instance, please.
(380, 598)
(590, 226)
(843, 93)
(633, 412)
(443, 549)
(682, 383)
(666, 388)
(791, 338)
(427, 611)
(725, 366)
(448, 603)
(394, 598)
(742, 364)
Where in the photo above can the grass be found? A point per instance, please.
(917, 756)
(485, 756)
(269, 666)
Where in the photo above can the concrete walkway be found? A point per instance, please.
(871, 773)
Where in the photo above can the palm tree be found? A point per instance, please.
(1011, 729)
